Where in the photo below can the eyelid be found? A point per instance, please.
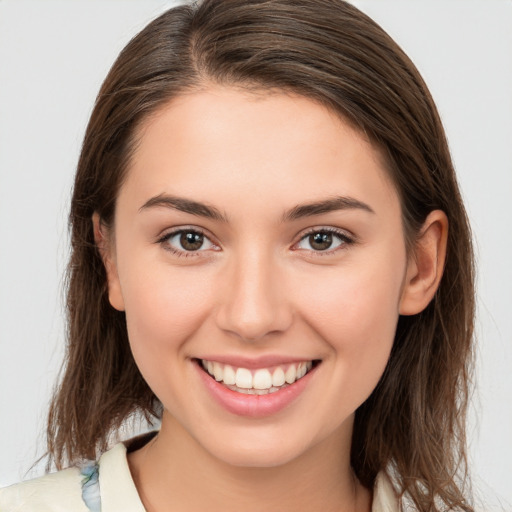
(346, 237)
(166, 235)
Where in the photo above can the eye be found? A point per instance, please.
(323, 240)
(187, 241)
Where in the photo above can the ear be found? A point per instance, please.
(426, 264)
(106, 250)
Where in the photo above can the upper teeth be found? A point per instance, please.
(263, 378)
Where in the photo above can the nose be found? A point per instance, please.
(253, 301)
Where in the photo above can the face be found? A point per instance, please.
(257, 238)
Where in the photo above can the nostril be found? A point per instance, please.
(252, 301)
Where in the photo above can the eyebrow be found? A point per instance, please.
(184, 205)
(326, 206)
(297, 212)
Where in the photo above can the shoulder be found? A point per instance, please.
(385, 498)
(61, 491)
(107, 484)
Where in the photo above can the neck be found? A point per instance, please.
(174, 468)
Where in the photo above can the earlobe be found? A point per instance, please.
(105, 248)
(426, 264)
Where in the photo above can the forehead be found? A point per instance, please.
(225, 142)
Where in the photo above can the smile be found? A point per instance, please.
(256, 388)
(259, 381)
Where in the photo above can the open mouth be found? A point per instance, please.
(261, 381)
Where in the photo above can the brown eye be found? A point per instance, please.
(191, 241)
(323, 240)
(320, 241)
(187, 241)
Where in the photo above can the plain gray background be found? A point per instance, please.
(54, 55)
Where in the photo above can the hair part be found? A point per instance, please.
(413, 424)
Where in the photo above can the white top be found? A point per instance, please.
(63, 491)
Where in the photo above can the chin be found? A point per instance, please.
(256, 455)
(257, 449)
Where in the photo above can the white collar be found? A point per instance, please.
(118, 491)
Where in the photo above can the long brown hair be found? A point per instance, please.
(412, 425)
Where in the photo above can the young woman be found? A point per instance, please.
(271, 257)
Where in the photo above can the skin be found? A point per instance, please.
(258, 287)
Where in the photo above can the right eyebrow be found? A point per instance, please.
(184, 205)
(325, 206)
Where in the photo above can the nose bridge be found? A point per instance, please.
(254, 302)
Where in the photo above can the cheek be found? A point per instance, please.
(164, 307)
(356, 312)
(359, 302)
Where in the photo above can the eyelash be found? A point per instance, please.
(341, 235)
(344, 239)
(165, 239)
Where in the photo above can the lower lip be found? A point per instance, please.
(255, 406)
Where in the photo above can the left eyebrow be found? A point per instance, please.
(325, 206)
(184, 205)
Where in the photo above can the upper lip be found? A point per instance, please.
(263, 361)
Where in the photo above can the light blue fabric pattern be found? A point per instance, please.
(91, 486)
